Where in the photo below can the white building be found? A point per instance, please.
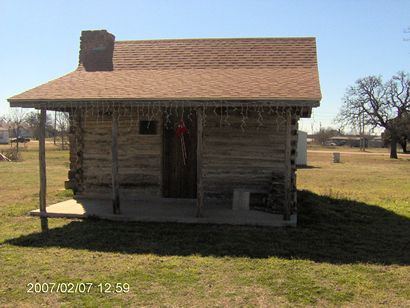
(4, 136)
(301, 152)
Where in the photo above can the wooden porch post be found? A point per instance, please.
(114, 158)
(199, 183)
(287, 178)
(42, 164)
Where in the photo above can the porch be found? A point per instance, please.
(162, 210)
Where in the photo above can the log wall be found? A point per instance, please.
(294, 144)
(236, 158)
(139, 156)
(251, 156)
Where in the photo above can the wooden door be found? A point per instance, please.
(179, 178)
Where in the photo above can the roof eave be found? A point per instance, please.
(41, 102)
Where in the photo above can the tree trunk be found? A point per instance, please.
(393, 147)
(403, 144)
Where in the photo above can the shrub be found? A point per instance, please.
(12, 154)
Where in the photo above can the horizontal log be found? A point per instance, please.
(124, 155)
(249, 153)
(103, 170)
(241, 164)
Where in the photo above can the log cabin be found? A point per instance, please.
(211, 120)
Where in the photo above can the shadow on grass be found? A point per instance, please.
(330, 230)
(308, 167)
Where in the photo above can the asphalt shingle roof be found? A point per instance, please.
(194, 69)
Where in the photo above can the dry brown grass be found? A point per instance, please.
(351, 247)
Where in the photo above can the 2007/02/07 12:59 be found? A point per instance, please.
(78, 287)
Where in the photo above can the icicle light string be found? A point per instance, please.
(159, 112)
(274, 115)
(148, 117)
(97, 107)
(182, 112)
(190, 113)
(243, 120)
(118, 112)
(283, 116)
(127, 111)
(131, 113)
(101, 112)
(170, 116)
(220, 115)
(260, 117)
(94, 113)
(85, 116)
(215, 113)
(107, 111)
(227, 116)
(111, 111)
(166, 117)
(176, 111)
(203, 115)
(138, 115)
(246, 112)
(279, 119)
(156, 110)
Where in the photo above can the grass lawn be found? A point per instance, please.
(351, 248)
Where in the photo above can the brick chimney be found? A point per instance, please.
(96, 50)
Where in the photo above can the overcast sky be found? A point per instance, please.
(39, 40)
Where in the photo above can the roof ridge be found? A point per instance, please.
(221, 39)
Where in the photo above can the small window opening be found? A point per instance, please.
(148, 127)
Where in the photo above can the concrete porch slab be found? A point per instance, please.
(163, 210)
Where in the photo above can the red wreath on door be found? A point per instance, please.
(180, 132)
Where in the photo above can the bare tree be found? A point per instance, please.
(404, 133)
(376, 104)
(324, 134)
(33, 123)
(62, 125)
(15, 121)
(3, 122)
(403, 128)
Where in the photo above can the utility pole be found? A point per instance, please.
(363, 143)
(361, 132)
(363, 138)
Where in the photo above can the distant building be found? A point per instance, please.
(354, 141)
(24, 131)
(376, 142)
(301, 152)
(4, 135)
